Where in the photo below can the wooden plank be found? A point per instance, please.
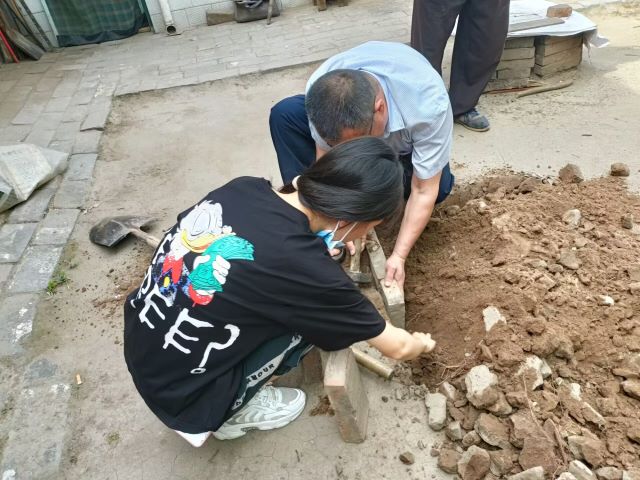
(519, 42)
(515, 64)
(518, 53)
(393, 296)
(551, 39)
(343, 386)
(531, 24)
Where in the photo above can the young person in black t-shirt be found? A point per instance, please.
(242, 287)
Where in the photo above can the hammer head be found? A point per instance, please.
(359, 277)
(112, 230)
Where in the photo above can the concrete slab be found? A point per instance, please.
(14, 239)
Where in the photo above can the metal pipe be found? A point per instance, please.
(169, 25)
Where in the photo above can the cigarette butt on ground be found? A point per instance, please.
(78, 379)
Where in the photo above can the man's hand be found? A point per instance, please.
(394, 270)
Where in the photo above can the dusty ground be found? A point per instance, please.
(165, 150)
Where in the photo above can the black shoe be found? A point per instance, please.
(473, 121)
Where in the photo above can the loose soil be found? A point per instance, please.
(502, 241)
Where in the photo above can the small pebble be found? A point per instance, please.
(620, 170)
(407, 458)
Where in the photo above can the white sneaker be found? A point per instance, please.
(195, 439)
(271, 407)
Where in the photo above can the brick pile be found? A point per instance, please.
(516, 64)
(557, 54)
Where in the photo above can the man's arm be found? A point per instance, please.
(416, 216)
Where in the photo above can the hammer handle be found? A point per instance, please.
(376, 366)
(149, 239)
(354, 265)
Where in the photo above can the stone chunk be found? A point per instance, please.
(437, 407)
(571, 173)
(586, 448)
(581, 471)
(471, 438)
(534, 370)
(492, 431)
(568, 259)
(448, 460)
(633, 432)
(559, 10)
(481, 386)
(536, 473)
(407, 458)
(620, 170)
(537, 451)
(572, 218)
(474, 464)
(454, 431)
(566, 476)
(492, 316)
(609, 473)
(632, 388)
(449, 391)
(14, 239)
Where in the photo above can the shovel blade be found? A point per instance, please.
(112, 230)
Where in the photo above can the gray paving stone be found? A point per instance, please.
(17, 313)
(83, 96)
(59, 104)
(42, 138)
(81, 166)
(75, 113)
(28, 115)
(5, 273)
(34, 209)
(14, 238)
(97, 116)
(87, 142)
(67, 131)
(72, 194)
(56, 228)
(66, 88)
(35, 442)
(47, 84)
(35, 269)
(62, 145)
(14, 133)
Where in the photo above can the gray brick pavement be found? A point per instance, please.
(18, 313)
(35, 269)
(56, 228)
(72, 194)
(35, 208)
(14, 239)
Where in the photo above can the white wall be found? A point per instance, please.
(192, 13)
(37, 9)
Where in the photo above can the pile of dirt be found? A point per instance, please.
(531, 287)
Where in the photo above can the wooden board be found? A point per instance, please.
(543, 22)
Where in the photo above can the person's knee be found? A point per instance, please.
(281, 112)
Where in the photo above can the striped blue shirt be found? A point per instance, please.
(420, 117)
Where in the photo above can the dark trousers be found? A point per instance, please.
(296, 149)
(480, 36)
(274, 357)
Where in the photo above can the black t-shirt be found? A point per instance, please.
(239, 268)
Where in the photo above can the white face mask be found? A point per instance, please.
(327, 236)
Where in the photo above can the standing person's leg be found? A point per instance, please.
(482, 31)
(431, 24)
(291, 137)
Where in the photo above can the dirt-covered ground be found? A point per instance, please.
(560, 261)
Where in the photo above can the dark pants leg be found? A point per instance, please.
(275, 357)
(482, 31)
(432, 22)
(447, 179)
(291, 137)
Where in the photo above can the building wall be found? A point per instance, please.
(37, 8)
(192, 13)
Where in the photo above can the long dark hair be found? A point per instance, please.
(359, 180)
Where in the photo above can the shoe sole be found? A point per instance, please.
(473, 129)
(232, 433)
